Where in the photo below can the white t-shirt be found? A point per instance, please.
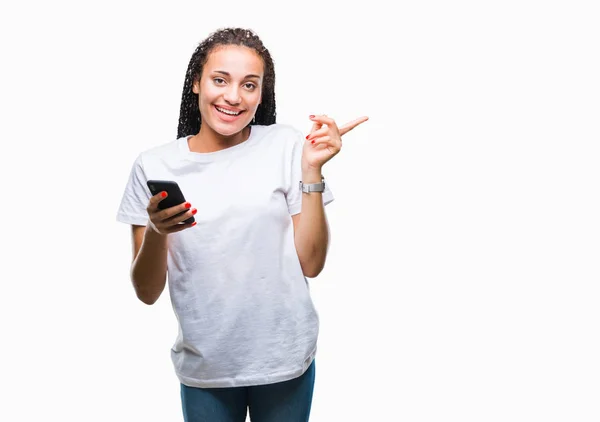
(242, 302)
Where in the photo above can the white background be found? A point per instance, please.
(462, 282)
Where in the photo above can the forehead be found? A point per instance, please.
(235, 59)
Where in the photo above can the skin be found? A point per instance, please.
(226, 82)
(237, 90)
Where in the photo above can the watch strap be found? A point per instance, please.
(313, 187)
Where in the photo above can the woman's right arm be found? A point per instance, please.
(149, 266)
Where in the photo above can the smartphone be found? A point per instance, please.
(174, 197)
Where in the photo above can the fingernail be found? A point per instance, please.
(312, 142)
(163, 194)
(194, 223)
(194, 211)
(188, 205)
(311, 116)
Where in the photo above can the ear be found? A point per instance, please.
(196, 87)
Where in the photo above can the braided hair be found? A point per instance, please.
(189, 114)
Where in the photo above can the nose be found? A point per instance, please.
(232, 95)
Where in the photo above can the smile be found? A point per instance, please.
(228, 112)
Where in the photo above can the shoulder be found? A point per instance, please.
(283, 132)
(159, 152)
(283, 137)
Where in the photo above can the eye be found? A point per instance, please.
(216, 80)
(250, 86)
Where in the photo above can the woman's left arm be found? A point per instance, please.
(311, 231)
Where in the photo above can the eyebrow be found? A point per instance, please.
(227, 74)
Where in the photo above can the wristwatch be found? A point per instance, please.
(313, 187)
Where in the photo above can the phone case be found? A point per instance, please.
(174, 197)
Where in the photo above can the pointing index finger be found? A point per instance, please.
(351, 125)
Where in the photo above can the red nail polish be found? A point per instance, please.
(194, 211)
(312, 142)
(194, 223)
(307, 136)
(188, 205)
(163, 194)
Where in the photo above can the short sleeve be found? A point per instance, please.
(294, 195)
(132, 209)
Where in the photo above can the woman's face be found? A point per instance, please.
(229, 91)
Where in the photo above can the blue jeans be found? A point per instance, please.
(287, 401)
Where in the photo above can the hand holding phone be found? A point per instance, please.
(169, 214)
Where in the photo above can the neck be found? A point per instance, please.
(208, 140)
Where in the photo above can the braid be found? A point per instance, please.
(189, 114)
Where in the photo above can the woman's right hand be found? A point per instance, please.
(164, 221)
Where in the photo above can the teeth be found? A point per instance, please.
(231, 113)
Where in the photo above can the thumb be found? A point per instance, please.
(316, 126)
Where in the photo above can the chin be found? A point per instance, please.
(229, 129)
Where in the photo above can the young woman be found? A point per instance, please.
(237, 275)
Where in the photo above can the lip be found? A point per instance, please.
(226, 117)
(228, 108)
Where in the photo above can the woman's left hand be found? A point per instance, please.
(325, 141)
